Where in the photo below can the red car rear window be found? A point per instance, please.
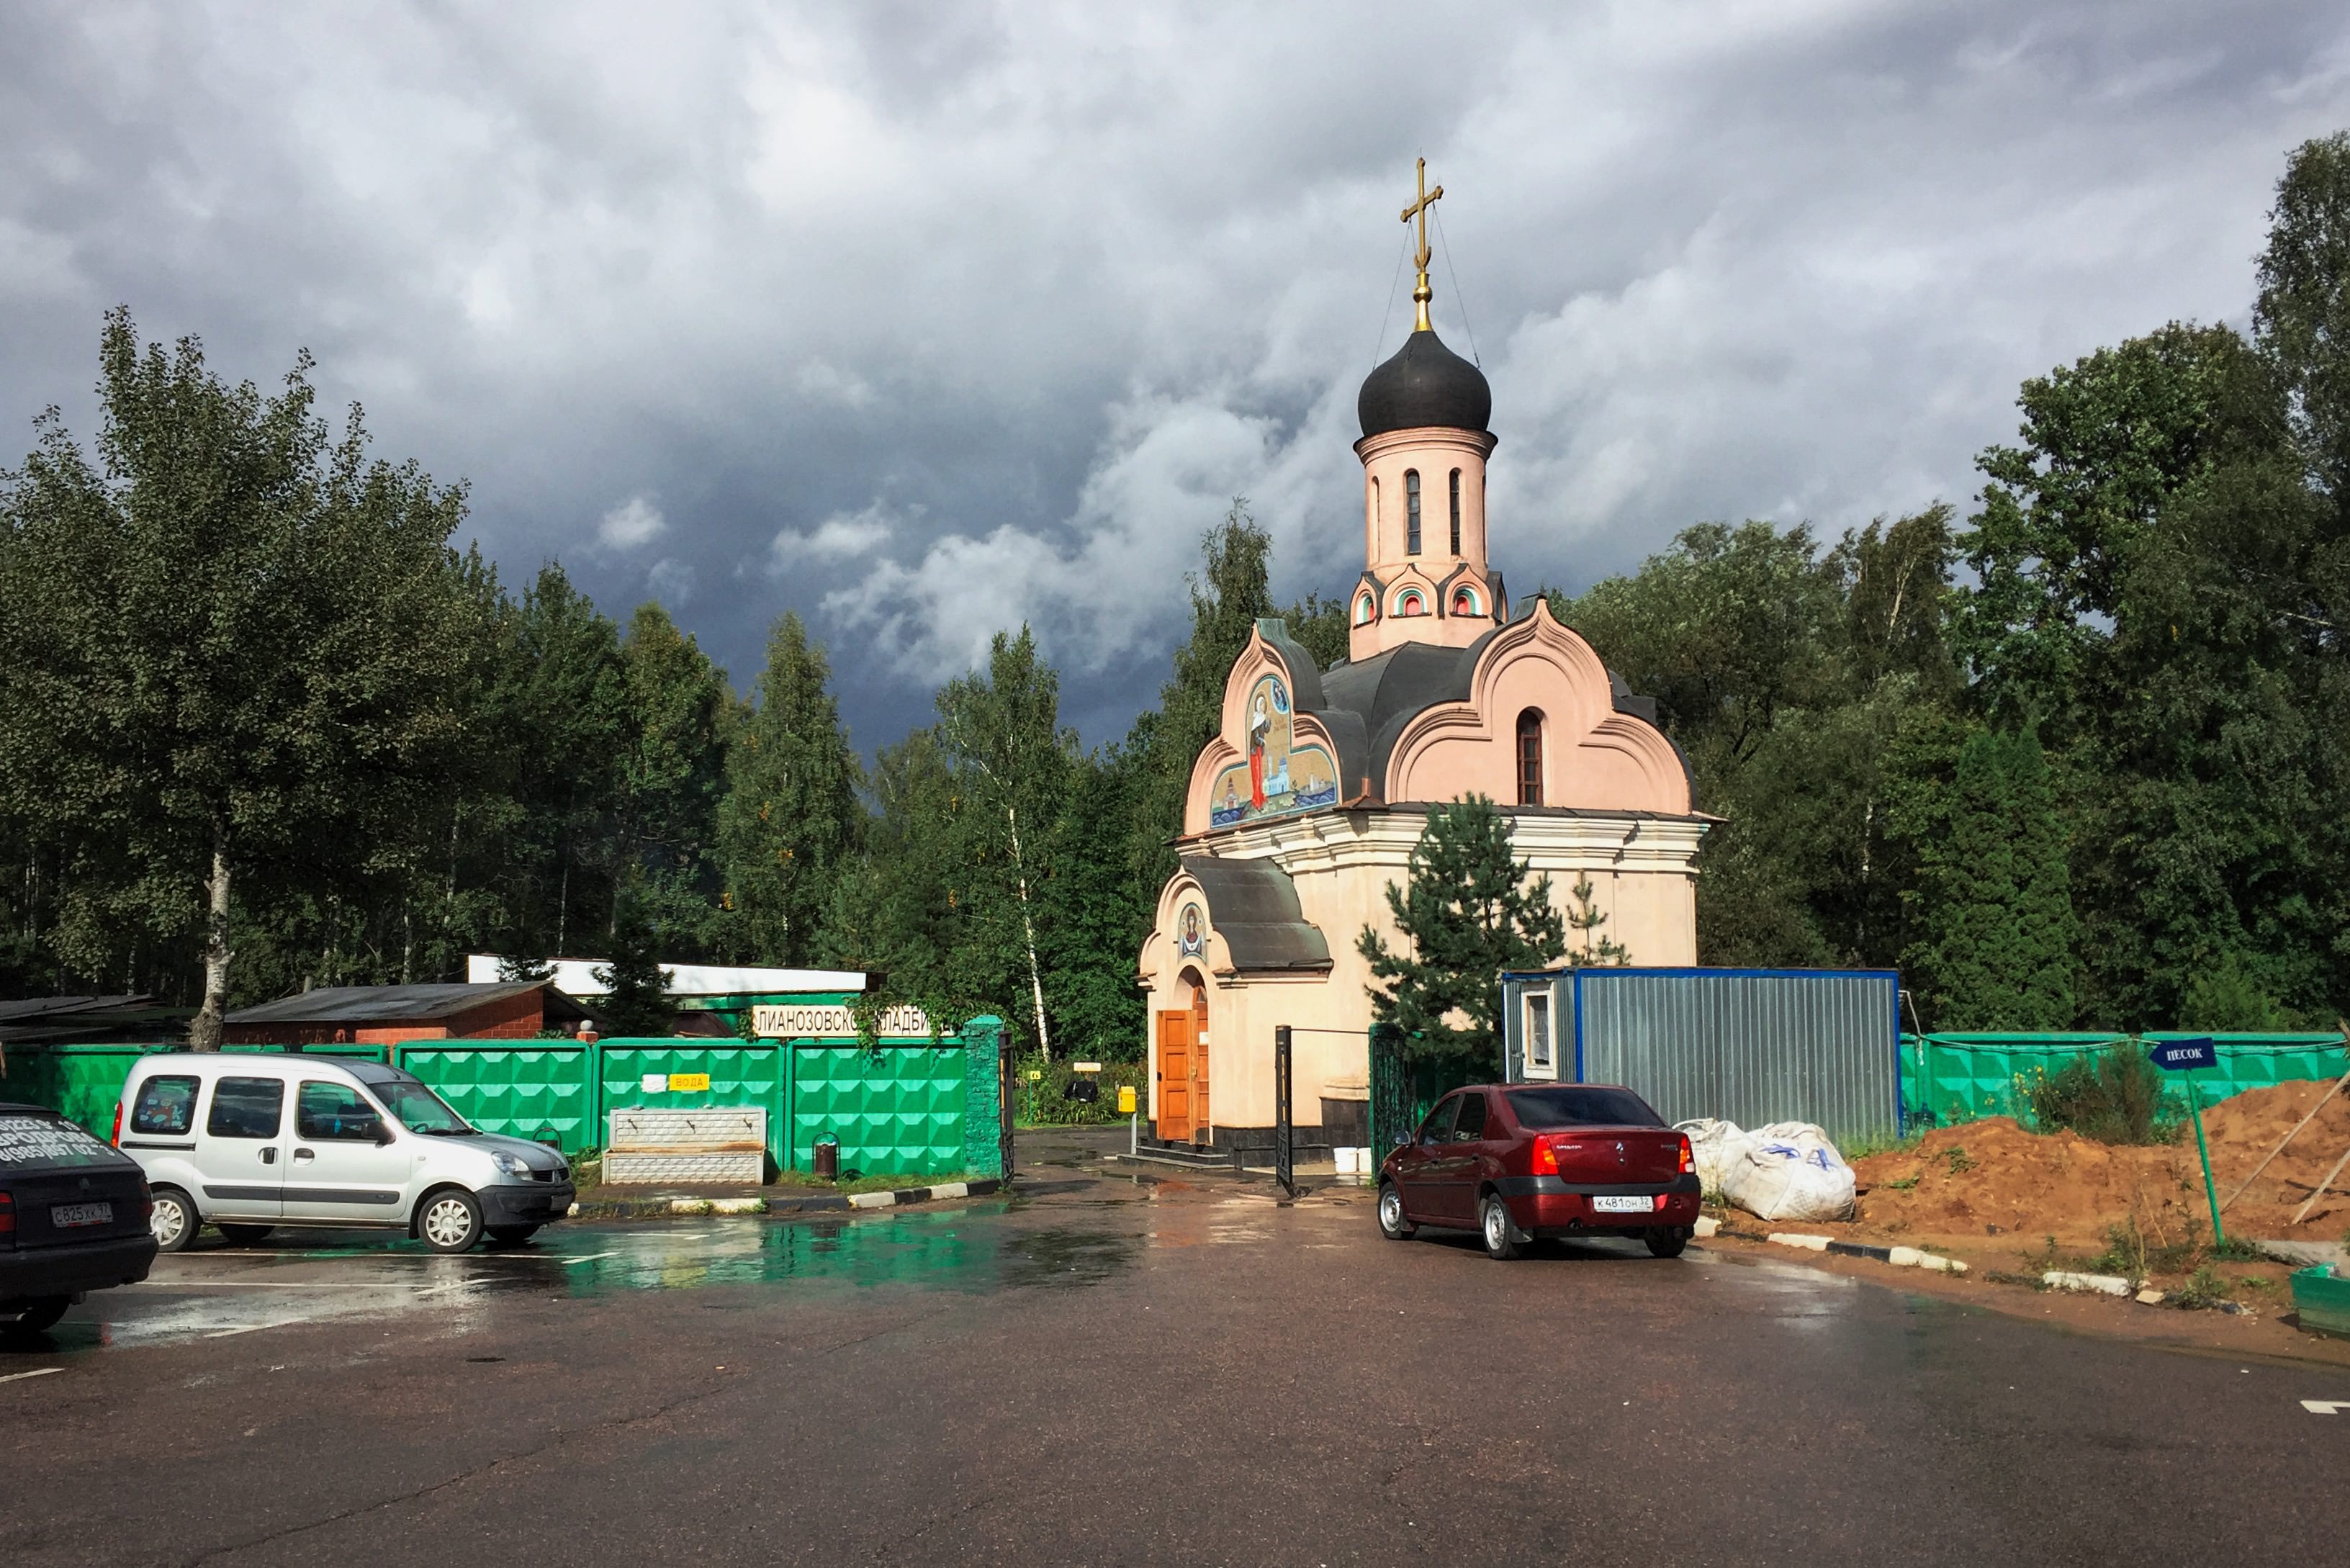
(1580, 1106)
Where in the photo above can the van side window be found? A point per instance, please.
(247, 1108)
(165, 1105)
(334, 1112)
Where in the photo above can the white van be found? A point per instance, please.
(249, 1142)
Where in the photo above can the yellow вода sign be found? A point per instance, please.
(687, 1083)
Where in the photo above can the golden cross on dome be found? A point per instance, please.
(1421, 294)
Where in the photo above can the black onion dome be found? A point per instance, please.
(1424, 384)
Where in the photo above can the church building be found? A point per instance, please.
(1307, 803)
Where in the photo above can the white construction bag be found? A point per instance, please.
(1789, 1171)
(1712, 1144)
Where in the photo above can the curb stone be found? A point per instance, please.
(754, 1207)
(1898, 1257)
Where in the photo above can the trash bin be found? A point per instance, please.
(827, 1158)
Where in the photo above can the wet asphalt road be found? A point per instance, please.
(1106, 1370)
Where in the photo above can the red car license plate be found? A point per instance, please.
(65, 1216)
(1616, 1205)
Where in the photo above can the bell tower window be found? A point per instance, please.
(1456, 511)
(1530, 758)
(1363, 609)
(1412, 512)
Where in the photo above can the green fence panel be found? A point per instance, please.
(900, 1111)
(1951, 1078)
(538, 1089)
(740, 1073)
(82, 1082)
(982, 1097)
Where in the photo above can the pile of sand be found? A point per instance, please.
(1965, 1180)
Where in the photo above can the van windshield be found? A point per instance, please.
(418, 1109)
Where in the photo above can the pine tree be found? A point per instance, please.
(1994, 904)
(1587, 949)
(1470, 912)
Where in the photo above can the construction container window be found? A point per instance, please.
(1538, 1032)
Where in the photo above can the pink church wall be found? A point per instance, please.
(1593, 757)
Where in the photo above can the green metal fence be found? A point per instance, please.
(905, 1107)
(1949, 1078)
(539, 1089)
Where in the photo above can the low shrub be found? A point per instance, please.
(1046, 1101)
(2115, 1095)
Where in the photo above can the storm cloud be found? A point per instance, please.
(927, 320)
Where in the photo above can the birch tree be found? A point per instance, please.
(1004, 741)
(228, 646)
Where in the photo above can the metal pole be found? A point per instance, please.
(1284, 1165)
(2211, 1191)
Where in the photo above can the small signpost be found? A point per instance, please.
(2185, 1056)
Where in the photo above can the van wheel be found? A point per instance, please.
(450, 1220)
(243, 1235)
(173, 1221)
(1495, 1225)
(37, 1316)
(511, 1235)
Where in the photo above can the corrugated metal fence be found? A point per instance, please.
(907, 1108)
(1755, 1046)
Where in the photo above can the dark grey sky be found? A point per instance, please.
(926, 319)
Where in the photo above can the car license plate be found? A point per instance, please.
(1622, 1205)
(65, 1215)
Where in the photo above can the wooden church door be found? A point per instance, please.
(1175, 1077)
(1183, 1071)
(1201, 1120)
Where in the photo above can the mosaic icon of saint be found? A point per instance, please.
(1259, 729)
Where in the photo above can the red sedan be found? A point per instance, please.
(1521, 1162)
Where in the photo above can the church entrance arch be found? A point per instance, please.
(1183, 1065)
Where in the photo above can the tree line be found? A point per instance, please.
(2082, 756)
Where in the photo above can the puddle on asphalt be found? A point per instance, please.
(224, 1293)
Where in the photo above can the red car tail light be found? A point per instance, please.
(1689, 1158)
(7, 1221)
(116, 1135)
(1545, 1156)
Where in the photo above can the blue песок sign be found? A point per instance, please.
(2183, 1055)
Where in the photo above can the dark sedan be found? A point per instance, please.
(73, 1217)
(1521, 1162)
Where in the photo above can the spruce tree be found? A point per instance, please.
(1471, 911)
(1997, 947)
(790, 810)
(635, 985)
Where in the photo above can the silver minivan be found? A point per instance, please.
(250, 1142)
